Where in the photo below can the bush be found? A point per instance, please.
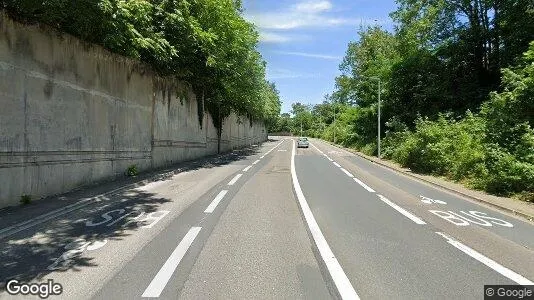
(25, 199)
(506, 174)
(460, 150)
(132, 171)
(442, 147)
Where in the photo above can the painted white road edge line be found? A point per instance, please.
(235, 179)
(407, 214)
(343, 285)
(487, 261)
(215, 201)
(159, 282)
(255, 162)
(247, 168)
(337, 165)
(365, 186)
(347, 172)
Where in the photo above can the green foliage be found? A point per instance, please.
(443, 61)
(506, 173)
(443, 147)
(25, 199)
(132, 171)
(205, 42)
(510, 114)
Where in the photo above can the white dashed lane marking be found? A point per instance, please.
(487, 261)
(161, 279)
(407, 214)
(365, 186)
(341, 281)
(347, 172)
(235, 179)
(216, 201)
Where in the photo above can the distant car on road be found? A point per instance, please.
(302, 142)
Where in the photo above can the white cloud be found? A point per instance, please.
(303, 14)
(279, 73)
(312, 55)
(313, 6)
(273, 37)
(269, 37)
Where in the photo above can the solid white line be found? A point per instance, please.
(215, 201)
(257, 161)
(329, 158)
(407, 214)
(236, 178)
(262, 156)
(487, 261)
(365, 186)
(337, 165)
(159, 282)
(342, 283)
(347, 172)
(247, 168)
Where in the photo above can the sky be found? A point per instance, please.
(304, 41)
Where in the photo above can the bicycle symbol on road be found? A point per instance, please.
(427, 200)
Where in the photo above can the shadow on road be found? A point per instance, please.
(63, 243)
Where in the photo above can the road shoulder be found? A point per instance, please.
(509, 205)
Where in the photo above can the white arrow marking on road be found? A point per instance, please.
(487, 261)
(430, 201)
(96, 245)
(159, 282)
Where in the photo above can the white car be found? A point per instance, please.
(302, 142)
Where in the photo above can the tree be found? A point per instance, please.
(207, 43)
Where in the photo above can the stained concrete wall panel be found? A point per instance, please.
(74, 114)
(12, 116)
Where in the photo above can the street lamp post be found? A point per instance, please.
(378, 117)
(378, 79)
(334, 122)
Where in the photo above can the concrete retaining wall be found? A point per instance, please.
(73, 114)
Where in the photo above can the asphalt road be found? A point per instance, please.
(269, 222)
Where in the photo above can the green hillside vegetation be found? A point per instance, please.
(457, 93)
(204, 42)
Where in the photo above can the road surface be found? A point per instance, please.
(269, 222)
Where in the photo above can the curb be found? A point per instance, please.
(378, 162)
